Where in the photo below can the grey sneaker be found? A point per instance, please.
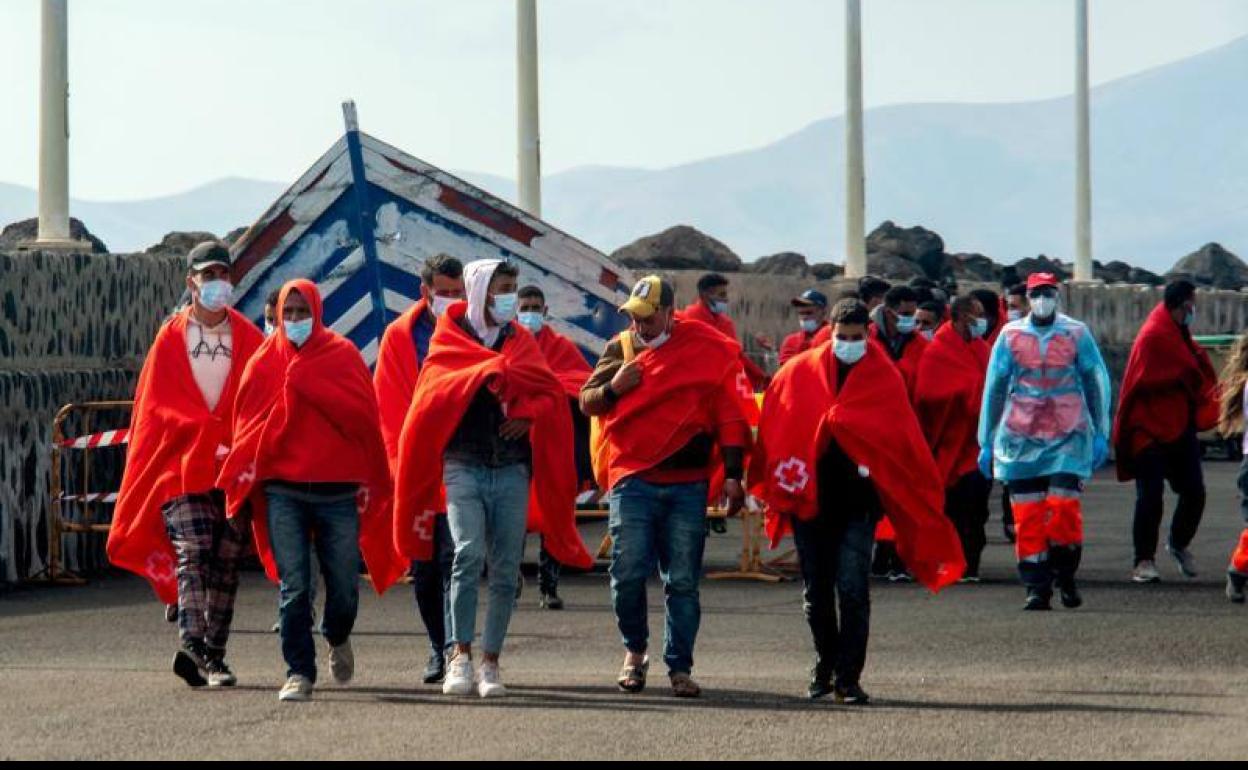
(1235, 586)
(1185, 560)
(1145, 572)
(297, 688)
(459, 679)
(490, 681)
(342, 662)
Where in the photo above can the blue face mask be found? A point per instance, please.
(504, 308)
(1190, 318)
(849, 352)
(269, 329)
(215, 295)
(809, 325)
(979, 327)
(532, 321)
(298, 331)
(905, 324)
(719, 308)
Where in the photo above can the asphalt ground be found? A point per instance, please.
(1154, 672)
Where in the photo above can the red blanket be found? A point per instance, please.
(455, 369)
(174, 448)
(565, 360)
(394, 377)
(722, 323)
(871, 421)
(309, 414)
(674, 401)
(911, 355)
(1169, 385)
(947, 396)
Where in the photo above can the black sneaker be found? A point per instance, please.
(1037, 601)
(1235, 586)
(435, 669)
(190, 663)
(550, 601)
(851, 695)
(219, 674)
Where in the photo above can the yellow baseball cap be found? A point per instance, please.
(648, 295)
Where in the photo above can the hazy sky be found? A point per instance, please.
(170, 94)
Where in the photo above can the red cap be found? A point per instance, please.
(1036, 280)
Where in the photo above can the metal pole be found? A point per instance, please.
(1083, 170)
(529, 149)
(855, 230)
(54, 125)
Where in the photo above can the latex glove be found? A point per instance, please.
(985, 461)
(1100, 451)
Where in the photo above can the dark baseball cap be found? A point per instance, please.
(810, 297)
(207, 254)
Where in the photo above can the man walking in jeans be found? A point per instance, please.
(1169, 393)
(668, 416)
(827, 473)
(489, 423)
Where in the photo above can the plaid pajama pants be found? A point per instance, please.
(209, 548)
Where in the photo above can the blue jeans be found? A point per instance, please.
(487, 509)
(659, 525)
(296, 522)
(835, 556)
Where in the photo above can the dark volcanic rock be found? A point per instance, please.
(1041, 264)
(679, 248)
(21, 232)
(180, 242)
(826, 271)
(1212, 266)
(1120, 272)
(784, 263)
(915, 244)
(975, 268)
(893, 267)
(232, 236)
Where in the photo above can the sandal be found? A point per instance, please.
(633, 678)
(683, 686)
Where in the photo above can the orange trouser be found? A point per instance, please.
(1054, 519)
(1239, 558)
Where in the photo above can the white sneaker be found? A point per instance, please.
(297, 688)
(490, 681)
(342, 662)
(458, 676)
(1145, 572)
(1185, 560)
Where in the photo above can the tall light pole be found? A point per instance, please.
(855, 230)
(54, 127)
(1083, 169)
(529, 149)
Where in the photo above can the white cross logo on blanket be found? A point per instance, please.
(743, 385)
(423, 526)
(160, 567)
(792, 475)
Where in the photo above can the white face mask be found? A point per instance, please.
(215, 295)
(849, 352)
(809, 325)
(439, 304)
(1013, 314)
(1043, 307)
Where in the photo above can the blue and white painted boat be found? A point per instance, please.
(363, 219)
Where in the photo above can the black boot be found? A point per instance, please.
(820, 680)
(191, 662)
(1039, 583)
(435, 669)
(1064, 560)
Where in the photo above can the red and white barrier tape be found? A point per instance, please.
(97, 440)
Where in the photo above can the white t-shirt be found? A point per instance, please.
(211, 351)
